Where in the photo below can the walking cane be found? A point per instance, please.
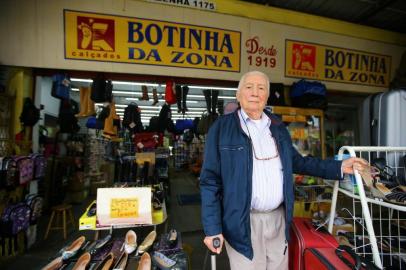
(216, 244)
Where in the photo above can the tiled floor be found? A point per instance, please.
(185, 219)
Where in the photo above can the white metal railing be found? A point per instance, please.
(377, 216)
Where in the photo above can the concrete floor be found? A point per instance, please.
(185, 219)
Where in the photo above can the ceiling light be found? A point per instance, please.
(75, 89)
(135, 83)
(81, 80)
(212, 88)
(127, 93)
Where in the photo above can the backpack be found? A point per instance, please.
(183, 124)
(25, 169)
(132, 118)
(15, 218)
(101, 89)
(8, 171)
(205, 123)
(61, 86)
(35, 202)
(40, 165)
(67, 121)
(276, 95)
(30, 114)
(154, 125)
(308, 94)
(93, 123)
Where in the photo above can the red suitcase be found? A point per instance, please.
(303, 236)
(341, 258)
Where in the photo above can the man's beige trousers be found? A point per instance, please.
(268, 241)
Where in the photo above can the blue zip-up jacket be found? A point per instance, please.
(226, 179)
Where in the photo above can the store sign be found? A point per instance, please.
(108, 38)
(259, 54)
(326, 63)
(198, 4)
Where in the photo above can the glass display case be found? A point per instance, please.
(306, 129)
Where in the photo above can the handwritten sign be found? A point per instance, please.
(124, 208)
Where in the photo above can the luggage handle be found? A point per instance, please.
(353, 255)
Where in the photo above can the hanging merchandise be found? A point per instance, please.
(165, 121)
(61, 86)
(67, 121)
(211, 97)
(181, 95)
(86, 103)
(15, 218)
(101, 89)
(102, 115)
(110, 128)
(148, 140)
(93, 123)
(155, 96)
(178, 90)
(205, 123)
(309, 94)
(170, 96)
(183, 124)
(30, 114)
(276, 95)
(132, 118)
(144, 93)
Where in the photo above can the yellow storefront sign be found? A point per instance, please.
(327, 63)
(109, 38)
(124, 208)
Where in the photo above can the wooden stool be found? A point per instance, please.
(60, 211)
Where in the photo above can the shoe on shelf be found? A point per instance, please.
(130, 243)
(106, 263)
(173, 238)
(145, 262)
(82, 262)
(147, 243)
(73, 248)
(122, 262)
(99, 244)
(162, 261)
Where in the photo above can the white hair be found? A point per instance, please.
(251, 73)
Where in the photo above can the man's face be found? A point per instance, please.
(253, 94)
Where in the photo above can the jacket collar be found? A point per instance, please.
(274, 120)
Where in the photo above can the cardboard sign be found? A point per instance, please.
(124, 206)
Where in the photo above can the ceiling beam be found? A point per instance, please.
(372, 10)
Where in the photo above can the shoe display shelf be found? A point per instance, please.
(377, 212)
(312, 197)
(88, 220)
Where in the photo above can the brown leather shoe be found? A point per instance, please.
(73, 248)
(107, 262)
(82, 262)
(147, 243)
(145, 262)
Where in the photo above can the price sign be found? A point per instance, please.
(124, 208)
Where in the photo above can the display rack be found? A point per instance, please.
(380, 229)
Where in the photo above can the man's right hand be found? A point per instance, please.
(208, 241)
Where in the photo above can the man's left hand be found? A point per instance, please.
(351, 164)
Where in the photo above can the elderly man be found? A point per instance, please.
(246, 180)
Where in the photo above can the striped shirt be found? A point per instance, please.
(267, 175)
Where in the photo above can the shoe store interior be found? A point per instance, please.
(101, 150)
